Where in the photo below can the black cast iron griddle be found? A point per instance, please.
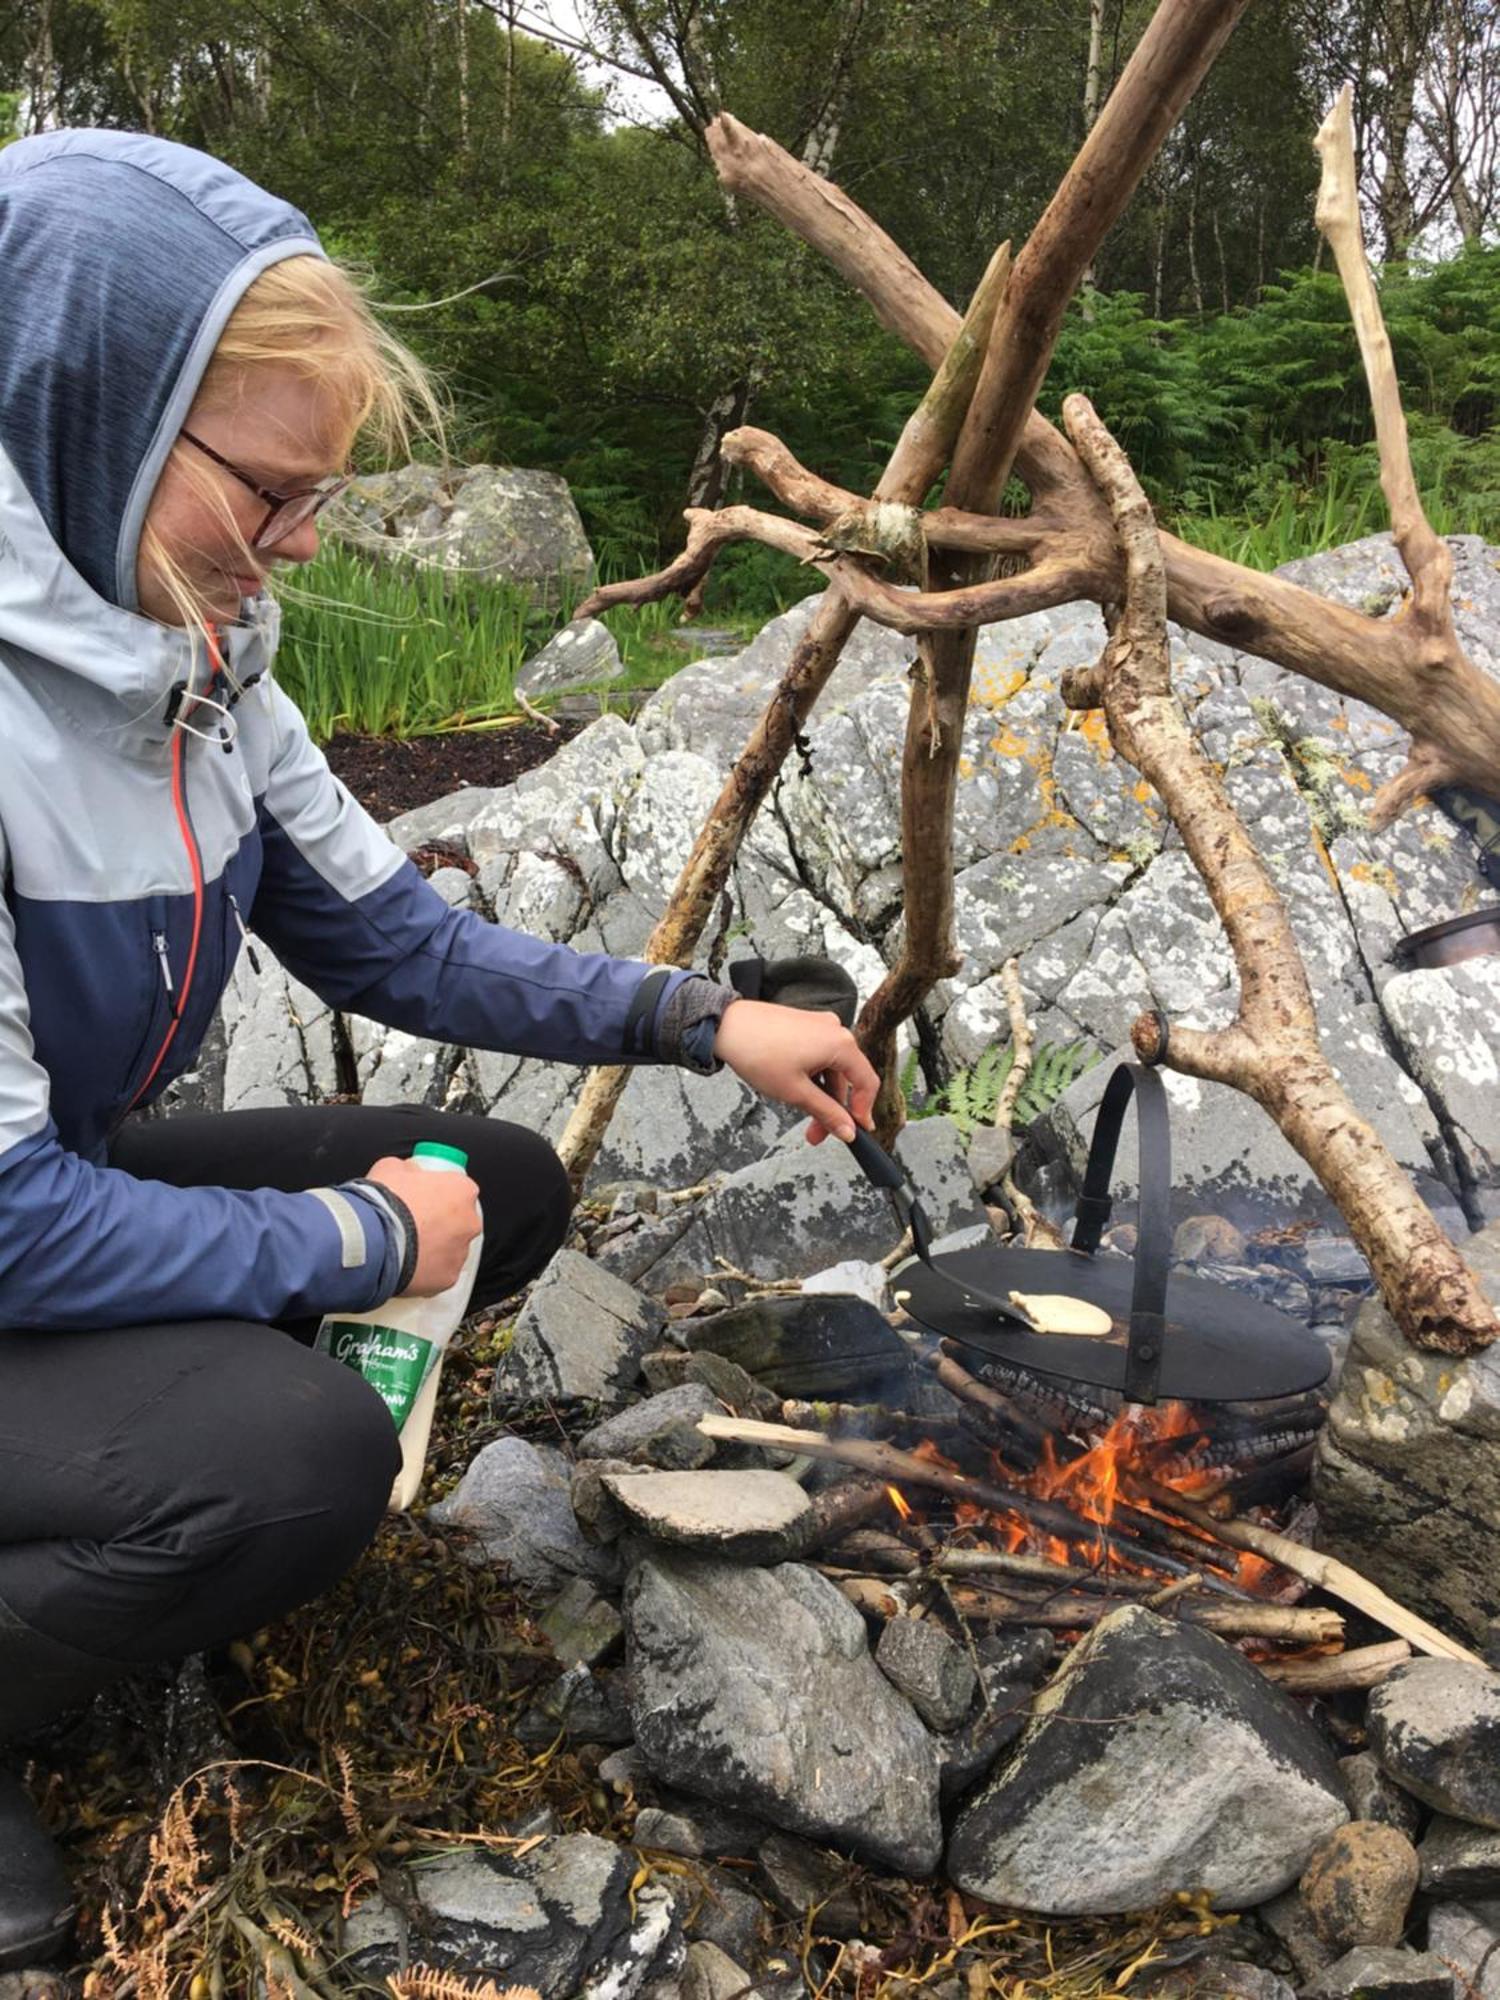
(1175, 1338)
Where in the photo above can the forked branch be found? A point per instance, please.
(1271, 1051)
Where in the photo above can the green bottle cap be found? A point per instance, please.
(429, 1149)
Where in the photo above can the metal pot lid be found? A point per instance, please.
(1217, 1345)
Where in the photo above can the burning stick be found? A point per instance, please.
(1334, 1577)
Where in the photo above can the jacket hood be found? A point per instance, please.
(122, 258)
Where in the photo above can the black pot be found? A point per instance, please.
(1474, 936)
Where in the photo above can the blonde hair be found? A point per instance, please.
(312, 315)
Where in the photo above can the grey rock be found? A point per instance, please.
(1460, 1859)
(35, 1984)
(1435, 1726)
(749, 1516)
(1207, 1778)
(1375, 1972)
(1288, 1920)
(931, 1670)
(825, 1345)
(661, 1431)
(1218, 1979)
(725, 1380)
(442, 822)
(581, 1706)
(1328, 1259)
(711, 1974)
(1372, 1795)
(800, 1208)
(1408, 1473)
(804, 1882)
(990, 1152)
(558, 1918)
(581, 1625)
(579, 1339)
(973, 1751)
(756, 1688)
(1020, 1656)
(577, 656)
(1466, 1936)
(727, 1915)
(853, 1278)
(515, 1498)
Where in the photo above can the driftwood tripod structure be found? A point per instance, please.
(1089, 534)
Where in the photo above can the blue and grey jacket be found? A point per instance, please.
(137, 827)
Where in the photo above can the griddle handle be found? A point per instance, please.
(1153, 1248)
(882, 1171)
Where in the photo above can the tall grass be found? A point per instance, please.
(393, 650)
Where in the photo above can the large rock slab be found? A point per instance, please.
(756, 1688)
(1159, 1760)
(1408, 1473)
(1435, 1726)
(750, 1516)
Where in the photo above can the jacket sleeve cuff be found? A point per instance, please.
(689, 1021)
(373, 1238)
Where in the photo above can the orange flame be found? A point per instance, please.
(898, 1500)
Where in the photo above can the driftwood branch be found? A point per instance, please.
(1165, 68)
(1271, 1050)
(1341, 1673)
(1451, 710)
(698, 888)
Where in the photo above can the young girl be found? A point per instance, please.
(183, 375)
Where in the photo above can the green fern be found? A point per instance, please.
(972, 1096)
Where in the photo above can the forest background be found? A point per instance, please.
(616, 314)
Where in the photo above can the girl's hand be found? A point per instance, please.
(804, 1058)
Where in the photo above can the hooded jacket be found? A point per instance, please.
(152, 806)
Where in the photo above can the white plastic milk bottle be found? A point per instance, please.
(399, 1347)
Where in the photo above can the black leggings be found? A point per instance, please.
(165, 1488)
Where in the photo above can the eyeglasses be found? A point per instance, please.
(286, 511)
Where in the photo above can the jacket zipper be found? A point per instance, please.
(244, 934)
(195, 865)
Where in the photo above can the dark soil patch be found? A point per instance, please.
(390, 775)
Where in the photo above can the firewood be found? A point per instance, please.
(1291, 1624)
(1340, 1673)
(1335, 1577)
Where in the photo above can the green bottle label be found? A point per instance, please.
(394, 1363)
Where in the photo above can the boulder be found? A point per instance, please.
(1159, 1760)
(745, 1516)
(495, 521)
(820, 1346)
(1435, 1726)
(756, 1688)
(1408, 1472)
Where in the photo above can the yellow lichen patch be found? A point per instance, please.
(1339, 722)
(992, 685)
(1320, 848)
(1093, 727)
(1142, 793)
(1006, 743)
(966, 767)
(1376, 872)
(1358, 781)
